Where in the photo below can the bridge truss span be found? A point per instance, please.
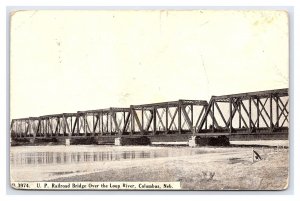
(254, 113)
(167, 118)
(248, 113)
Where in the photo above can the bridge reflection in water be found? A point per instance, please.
(52, 158)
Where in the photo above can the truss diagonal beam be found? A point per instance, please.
(173, 118)
(187, 118)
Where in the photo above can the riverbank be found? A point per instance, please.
(226, 170)
(201, 168)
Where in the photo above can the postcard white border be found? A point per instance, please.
(7, 5)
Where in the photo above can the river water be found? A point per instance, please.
(44, 163)
(76, 154)
(19, 157)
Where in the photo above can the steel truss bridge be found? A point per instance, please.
(262, 113)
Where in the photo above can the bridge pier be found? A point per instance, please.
(67, 142)
(118, 141)
(31, 140)
(208, 141)
(192, 141)
(121, 141)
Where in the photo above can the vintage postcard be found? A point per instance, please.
(149, 100)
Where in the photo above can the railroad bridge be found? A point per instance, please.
(253, 115)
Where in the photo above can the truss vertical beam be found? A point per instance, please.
(179, 118)
(230, 115)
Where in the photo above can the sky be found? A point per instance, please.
(68, 61)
